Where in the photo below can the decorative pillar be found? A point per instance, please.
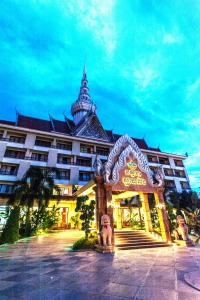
(101, 200)
(109, 211)
(163, 216)
(147, 213)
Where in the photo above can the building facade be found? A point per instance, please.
(71, 146)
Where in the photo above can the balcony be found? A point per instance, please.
(152, 159)
(41, 143)
(37, 158)
(85, 176)
(13, 139)
(178, 163)
(17, 155)
(164, 161)
(8, 172)
(181, 175)
(63, 146)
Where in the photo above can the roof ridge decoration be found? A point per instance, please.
(91, 127)
(117, 160)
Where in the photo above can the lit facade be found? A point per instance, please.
(71, 146)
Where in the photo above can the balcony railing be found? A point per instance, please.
(64, 177)
(43, 159)
(15, 155)
(98, 152)
(63, 147)
(8, 172)
(74, 163)
(18, 140)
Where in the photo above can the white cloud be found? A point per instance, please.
(170, 38)
(195, 122)
(144, 76)
(193, 88)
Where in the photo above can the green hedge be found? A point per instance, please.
(86, 243)
(10, 232)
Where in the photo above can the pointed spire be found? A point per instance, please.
(84, 102)
(84, 90)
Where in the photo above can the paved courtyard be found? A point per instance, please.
(45, 268)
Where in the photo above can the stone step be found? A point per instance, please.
(127, 240)
(124, 247)
(139, 243)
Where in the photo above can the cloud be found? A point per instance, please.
(142, 59)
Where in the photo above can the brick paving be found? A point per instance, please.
(45, 268)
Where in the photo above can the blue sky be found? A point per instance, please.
(142, 58)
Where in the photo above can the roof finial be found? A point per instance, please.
(84, 102)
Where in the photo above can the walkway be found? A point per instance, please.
(43, 268)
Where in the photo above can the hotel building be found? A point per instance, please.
(71, 146)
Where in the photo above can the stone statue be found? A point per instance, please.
(181, 230)
(159, 177)
(98, 166)
(106, 231)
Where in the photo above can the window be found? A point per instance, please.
(185, 185)
(85, 176)
(64, 145)
(86, 148)
(63, 159)
(83, 162)
(179, 173)
(63, 174)
(8, 170)
(39, 156)
(170, 184)
(102, 151)
(178, 163)
(164, 160)
(168, 172)
(6, 188)
(14, 154)
(153, 159)
(42, 143)
(17, 139)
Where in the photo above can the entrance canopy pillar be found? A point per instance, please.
(162, 215)
(147, 213)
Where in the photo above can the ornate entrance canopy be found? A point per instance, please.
(127, 168)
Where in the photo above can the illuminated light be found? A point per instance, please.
(133, 181)
(133, 176)
(160, 205)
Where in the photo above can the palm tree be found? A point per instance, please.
(36, 186)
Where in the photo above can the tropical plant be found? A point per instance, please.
(75, 220)
(10, 232)
(36, 186)
(86, 209)
(155, 219)
(43, 219)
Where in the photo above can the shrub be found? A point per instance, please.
(86, 243)
(11, 230)
(86, 209)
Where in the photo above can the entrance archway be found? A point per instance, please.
(127, 172)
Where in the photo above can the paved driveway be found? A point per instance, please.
(44, 268)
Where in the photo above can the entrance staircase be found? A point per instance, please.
(136, 239)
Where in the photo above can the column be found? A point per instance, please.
(163, 216)
(101, 202)
(147, 213)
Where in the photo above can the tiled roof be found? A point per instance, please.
(67, 127)
(7, 122)
(61, 126)
(34, 123)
